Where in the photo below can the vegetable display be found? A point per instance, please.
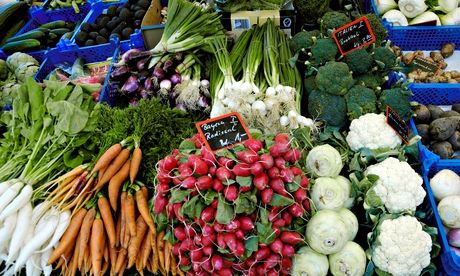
(243, 5)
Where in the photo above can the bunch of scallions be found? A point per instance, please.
(268, 92)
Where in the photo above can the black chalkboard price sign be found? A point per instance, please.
(224, 131)
(354, 35)
(426, 65)
(398, 124)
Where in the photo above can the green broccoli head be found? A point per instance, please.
(384, 57)
(309, 84)
(303, 40)
(325, 49)
(359, 61)
(334, 78)
(378, 29)
(327, 107)
(360, 100)
(333, 20)
(398, 100)
(371, 80)
(312, 9)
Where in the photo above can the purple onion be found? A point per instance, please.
(203, 102)
(141, 64)
(173, 95)
(159, 73)
(133, 102)
(144, 94)
(127, 55)
(148, 84)
(168, 65)
(119, 72)
(453, 236)
(181, 106)
(176, 79)
(134, 58)
(131, 85)
(166, 84)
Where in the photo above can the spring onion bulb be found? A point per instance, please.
(396, 18)
(446, 6)
(452, 18)
(426, 17)
(412, 8)
(385, 5)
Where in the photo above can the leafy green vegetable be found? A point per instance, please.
(246, 203)
(225, 211)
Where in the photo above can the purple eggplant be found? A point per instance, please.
(131, 85)
(142, 64)
(119, 72)
(159, 73)
(176, 79)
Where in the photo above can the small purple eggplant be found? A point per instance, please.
(131, 85)
(119, 72)
(159, 73)
(176, 79)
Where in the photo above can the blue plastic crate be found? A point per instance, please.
(420, 37)
(436, 93)
(88, 54)
(449, 259)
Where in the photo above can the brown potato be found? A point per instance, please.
(443, 149)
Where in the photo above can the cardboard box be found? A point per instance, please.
(151, 26)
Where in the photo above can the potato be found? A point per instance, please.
(454, 140)
(456, 107)
(435, 111)
(422, 114)
(441, 129)
(450, 113)
(443, 149)
(424, 132)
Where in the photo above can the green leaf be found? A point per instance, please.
(192, 208)
(293, 186)
(161, 221)
(70, 118)
(252, 244)
(187, 146)
(225, 153)
(36, 99)
(225, 211)
(185, 268)
(228, 182)
(61, 93)
(209, 197)
(179, 195)
(244, 181)
(77, 96)
(263, 215)
(372, 199)
(279, 200)
(238, 148)
(265, 233)
(169, 237)
(246, 203)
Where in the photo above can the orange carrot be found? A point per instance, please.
(167, 257)
(121, 258)
(161, 247)
(110, 154)
(122, 220)
(173, 265)
(113, 257)
(135, 164)
(69, 236)
(106, 253)
(116, 182)
(85, 233)
(65, 257)
(117, 232)
(107, 218)
(123, 267)
(105, 266)
(113, 168)
(100, 174)
(155, 253)
(143, 207)
(130, 214)
(146, 249)
(97, 245)
(74, 262)
(135, 243)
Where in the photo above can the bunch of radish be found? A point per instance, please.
(238, 210)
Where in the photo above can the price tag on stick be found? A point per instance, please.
(398, 124)
(426, 65)
(224, 131)
(354, 36)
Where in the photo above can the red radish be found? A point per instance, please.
(286, 217)
(204, 182)
(206, 264)
(217, 185)
(179, 233)
(296, 210)
(279, 223)
(286, 263)
(296, 171)
(169, 163)
(239, 250)
(163, 178)
(212, 170)
(278, 186)
(272, 272)
(292, 155)
(196, 255)
(273, 214)
(227, 263)
(276, 246)
(208, 240)
(221, 240)
(274, 172)
(287, 175)
(266, 195)
(304, 182)
(175, 249)
(248, 157)
(292, 238)
(207, 230)
(238, 266)
(276, 230)
(231, 193)
(242, 170)
(233, 225)
(200, 222)
(224, 174)
(261, 181)
(163, 188)
(300, 195)
(208, 157)
(196, 139)
(214, 203)
(246, 223)
(254, 145)
(175, 152)
(288, 250)
(184, 261)
(261, 270)
(186, 245)
(244, 189)
(197, 267)
(267, 161)
(230, 240)
(219, 227)
(189, 183)
(262, 253)
(226, 162)
(217, 262)
(170, 210)
(190, 231)
(197, 240)
(199, 166)
(282, 138)
(177, 180)
(208, 214)
(272, 261)
(239, 234)
(306, 205)
(257, 169)
(225, 272)
(280, 163)
(176, 208)
(160, 204)
(185, 171)
(279, 149)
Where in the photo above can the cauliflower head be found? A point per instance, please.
(403, 248)
(371, 131)
(399, 187)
